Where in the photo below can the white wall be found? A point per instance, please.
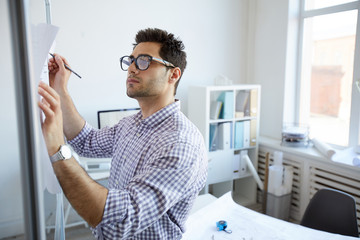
(269, 64)
(93, 36)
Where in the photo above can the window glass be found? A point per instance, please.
(316, 4)
(327, 75)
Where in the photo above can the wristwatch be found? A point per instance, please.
(63, 154)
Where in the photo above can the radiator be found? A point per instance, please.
(309, 177)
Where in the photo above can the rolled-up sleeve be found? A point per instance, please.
(91, 142)
(163, 182)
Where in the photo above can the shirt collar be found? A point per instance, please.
(159, 116)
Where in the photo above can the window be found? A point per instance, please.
(329, 100)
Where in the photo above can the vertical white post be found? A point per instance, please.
(28, 122)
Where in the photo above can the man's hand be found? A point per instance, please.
(58, 74)
(52, 127)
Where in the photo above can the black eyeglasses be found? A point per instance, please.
(142, 62)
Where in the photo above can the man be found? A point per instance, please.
(158, 156)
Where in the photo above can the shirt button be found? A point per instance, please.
(138, 134)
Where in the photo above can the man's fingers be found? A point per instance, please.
(49, 89)
(49, 95)
(43, 101)
(46, 109)
(60, 60)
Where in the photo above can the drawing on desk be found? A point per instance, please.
(247, 224)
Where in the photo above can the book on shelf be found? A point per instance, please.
(253, 132)
(224, 136)
(239, 135)
(227, 110)
(215, 109)
(239, 164)
(213, 137)
(253, 102)
(242, 107)
(246, 140)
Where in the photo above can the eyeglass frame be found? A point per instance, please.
(151, 58)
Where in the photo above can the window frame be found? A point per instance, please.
(354, 127)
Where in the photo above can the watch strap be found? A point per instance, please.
(58, 155)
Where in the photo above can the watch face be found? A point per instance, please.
(66, 151)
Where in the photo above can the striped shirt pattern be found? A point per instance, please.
(158, 167)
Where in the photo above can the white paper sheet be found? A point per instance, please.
(42, 40)
(246, 225)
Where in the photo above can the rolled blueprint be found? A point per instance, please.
(276, 174)
(280, 180)
(324, 148)
(356, 161)
(278, 158)
(253, 172)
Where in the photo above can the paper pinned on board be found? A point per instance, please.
(42, 41)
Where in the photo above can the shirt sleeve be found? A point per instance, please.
(165, 179)
(91, 142)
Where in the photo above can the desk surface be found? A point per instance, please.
(246, 224)
(99, 175)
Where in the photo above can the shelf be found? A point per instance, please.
(235, 149)
(231, 120)
(234, 133)
(247, 148)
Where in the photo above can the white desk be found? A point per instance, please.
(246, 224)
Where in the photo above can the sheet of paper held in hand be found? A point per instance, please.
(42, 40)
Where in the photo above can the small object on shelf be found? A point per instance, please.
(295, 135)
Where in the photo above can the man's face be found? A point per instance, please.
(151, 82)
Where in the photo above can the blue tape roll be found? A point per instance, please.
(222, 225)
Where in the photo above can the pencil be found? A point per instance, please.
(66, 66)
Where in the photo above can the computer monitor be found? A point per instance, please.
(111, 117)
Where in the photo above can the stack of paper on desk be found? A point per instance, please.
(246, 224)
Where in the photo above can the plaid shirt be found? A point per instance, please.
(158, 167)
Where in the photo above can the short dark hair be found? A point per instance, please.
(171, 50)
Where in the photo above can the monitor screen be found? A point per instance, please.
(111, 117)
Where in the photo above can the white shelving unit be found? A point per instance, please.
(228, 135)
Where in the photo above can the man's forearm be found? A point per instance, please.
(73, 122)
(85, 195)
